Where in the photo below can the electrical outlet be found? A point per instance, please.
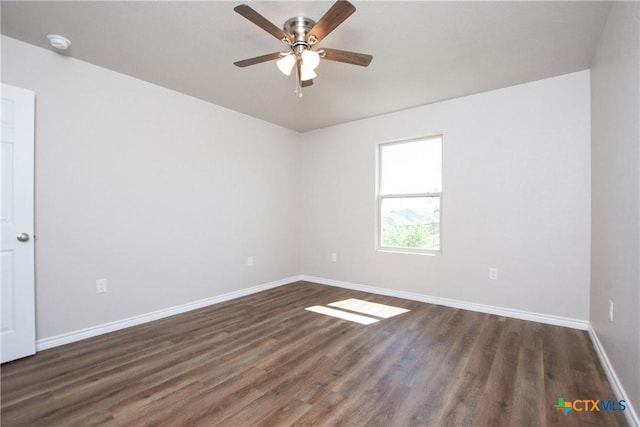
(334, 257)
(101, 286)
(610, 311)
(493, 273)
(249, 261)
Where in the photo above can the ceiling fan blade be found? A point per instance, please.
(306, 83)
(258, 59)
(346, 56)
(262, 22)
(335, 16)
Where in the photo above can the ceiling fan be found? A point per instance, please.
(301, 35)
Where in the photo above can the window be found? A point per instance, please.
(410, 195)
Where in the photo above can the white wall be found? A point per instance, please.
(615, 249)
(516, 196)
(166, 195)
(161, 193)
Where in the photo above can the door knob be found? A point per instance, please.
(23, 237)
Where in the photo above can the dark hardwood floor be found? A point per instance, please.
(262, 360)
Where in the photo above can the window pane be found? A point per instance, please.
(411, 167)
(411, 222)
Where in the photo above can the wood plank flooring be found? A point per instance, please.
(262, 360)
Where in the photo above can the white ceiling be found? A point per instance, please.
(423, 51)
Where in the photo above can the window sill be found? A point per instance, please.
(409, 251)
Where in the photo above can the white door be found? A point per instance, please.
(17, 327)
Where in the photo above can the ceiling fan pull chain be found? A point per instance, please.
(298, 90)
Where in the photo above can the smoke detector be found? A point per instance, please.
(59, 42)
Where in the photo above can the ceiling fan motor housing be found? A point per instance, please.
(298, 28)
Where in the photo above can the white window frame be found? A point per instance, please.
(380, 197)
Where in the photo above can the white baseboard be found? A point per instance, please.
(482, 308)
(93, 331)
(616, 385)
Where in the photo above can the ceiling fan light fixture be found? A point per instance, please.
(286, 63)
(306, 72)
(310, 58)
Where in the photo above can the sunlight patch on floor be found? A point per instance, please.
(358, 306)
